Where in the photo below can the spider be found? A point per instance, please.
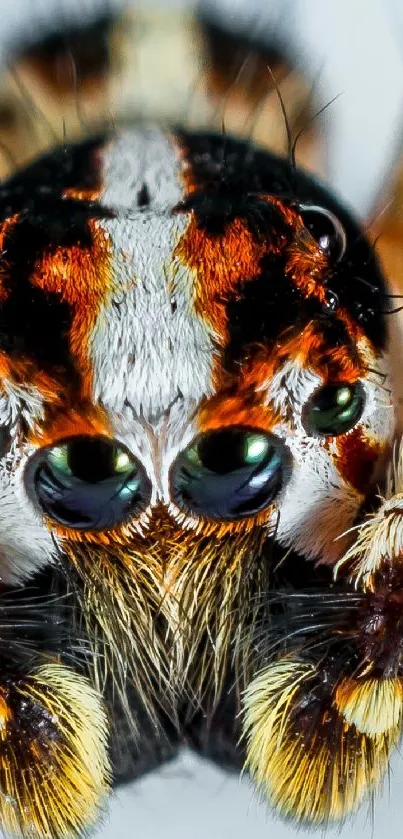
(195, 414)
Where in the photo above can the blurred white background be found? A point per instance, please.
(191, 799)
(350, 49)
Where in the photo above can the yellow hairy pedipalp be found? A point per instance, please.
(302, 753)
(54, 765)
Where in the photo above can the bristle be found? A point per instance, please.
(394, 480)
(313, 766)
(374, 706)
(166, 610)
(54, 767)
(379, 539)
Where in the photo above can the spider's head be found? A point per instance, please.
(190, 333)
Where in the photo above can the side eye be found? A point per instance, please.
(334, 409)
(326, 229)
(230, 473)
(88, 483)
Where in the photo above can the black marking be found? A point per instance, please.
(40, 186)
(244, 168)
(143, 196)
(33, 323)
(35, 620)
(217, 205)
(261, 311)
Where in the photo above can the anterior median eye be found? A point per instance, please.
(230, 473)
(88, 483)
(334, 409)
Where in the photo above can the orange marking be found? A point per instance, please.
(82, 194)
(22, 372)
(224, 410)
(87, 421)
(357, 457)
(162, 530)
(307, 348)
(220, 263)
(5, 714)
(306, 264)
(5, 228)
(82, 277)
(310, 349)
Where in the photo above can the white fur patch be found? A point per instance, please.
(25, 543)
(148, 347)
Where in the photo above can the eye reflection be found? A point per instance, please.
(256, 448)
(88, 483)
(229, 473)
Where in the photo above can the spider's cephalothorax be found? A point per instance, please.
(193, 383)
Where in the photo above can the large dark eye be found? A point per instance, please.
(325, 228)
(230, 473)
(88, 483)
(334, 409)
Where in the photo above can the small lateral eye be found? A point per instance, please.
(88, 483)
(230, 473)
(334, 409)
(326, 229)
